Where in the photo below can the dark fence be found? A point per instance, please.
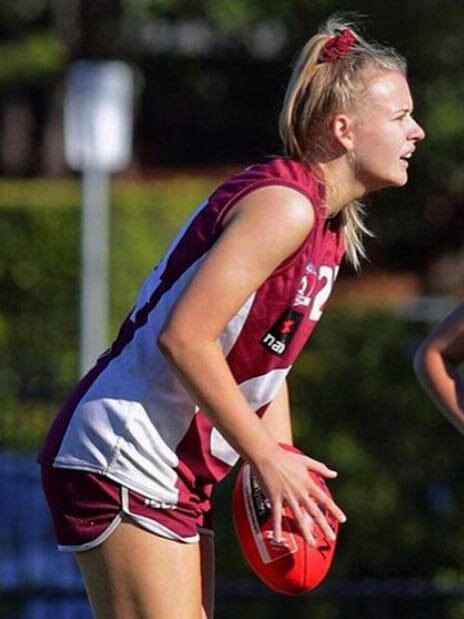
(363, 600)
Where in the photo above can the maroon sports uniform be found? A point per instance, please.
(130, 423)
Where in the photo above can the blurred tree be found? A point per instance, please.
(227, 107)
(92, 29)
(39, 37)
(215, 73)
(31, 58)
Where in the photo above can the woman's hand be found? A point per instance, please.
(284, 479)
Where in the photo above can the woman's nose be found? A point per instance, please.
(417, 132)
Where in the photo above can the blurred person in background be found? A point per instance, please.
(437, 366)
(196, 377)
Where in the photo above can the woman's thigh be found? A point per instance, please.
(135, 574)
(207, 575)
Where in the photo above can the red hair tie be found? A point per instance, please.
(337, 46)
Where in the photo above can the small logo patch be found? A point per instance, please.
(307, 286)
(159, 504)
(279, 337)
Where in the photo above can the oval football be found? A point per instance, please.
(292, 568)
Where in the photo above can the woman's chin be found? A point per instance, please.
(375, 183)
(399, 180)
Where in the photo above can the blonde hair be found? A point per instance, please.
(316, 91)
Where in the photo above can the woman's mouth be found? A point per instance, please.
(405, 158)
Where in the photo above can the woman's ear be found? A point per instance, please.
(342, 131)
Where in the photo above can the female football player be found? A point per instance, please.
(196, 377)
(437, 366)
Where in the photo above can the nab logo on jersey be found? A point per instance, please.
(278, 338)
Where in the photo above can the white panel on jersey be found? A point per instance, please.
(131, 420)
(258, 391)
(232, 330)
(261, 390)
(97, 439)
(221, 449)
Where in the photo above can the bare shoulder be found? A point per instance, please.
(277, 207)
(451, 325)
(264, 228)
(447, 337)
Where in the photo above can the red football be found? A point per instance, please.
(290, 569)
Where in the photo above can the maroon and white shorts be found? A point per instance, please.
(87, 507)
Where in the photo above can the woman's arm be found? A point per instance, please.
(437, 366)
(277, 418)
(266, 227)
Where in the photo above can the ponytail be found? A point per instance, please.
(326, 80)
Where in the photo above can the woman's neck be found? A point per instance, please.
(342, 187)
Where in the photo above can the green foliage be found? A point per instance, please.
(32, 58)
(15, 14)
(219, 12)
(444, 120)
(39, 284)
(145, 217)
(359, 408)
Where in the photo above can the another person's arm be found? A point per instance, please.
(437, 366)
(264, 229)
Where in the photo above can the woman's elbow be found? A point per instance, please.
(168, 343)
(420, 361)
(177, 344)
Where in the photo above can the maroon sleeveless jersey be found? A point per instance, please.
(131, 419)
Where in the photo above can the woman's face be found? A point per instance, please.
(384, 133)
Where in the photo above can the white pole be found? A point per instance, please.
(98, 141)
(94, 274)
